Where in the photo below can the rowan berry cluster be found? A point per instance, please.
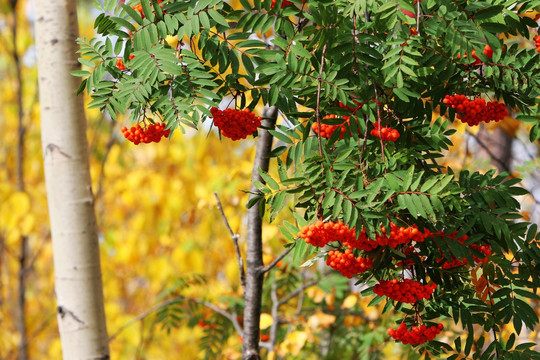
(235, 124)
(151, 133)
(537, 42)
(321, 233)
(474, 111)
(327, 130)
(385, 133)
(488, 51)
(406, 291)
(417, 335)
(120, 64)
(455, 262)
(351, 109)
(347, 264)
(396, 236)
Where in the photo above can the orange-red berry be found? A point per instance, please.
(327, 130)
(347, 264)
(416, 335)
(148, 134)
(235, 124)
(474, 111)
(405, 291)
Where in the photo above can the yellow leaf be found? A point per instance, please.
(15, 207)
(321, 319)
(316, 294)
(350, 301)
(294, 342)
(351, 320)
(172, 41)
(266, 321)
(330, 300)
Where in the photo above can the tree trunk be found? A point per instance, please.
(20, 317)
(254, 261)
(78, 283)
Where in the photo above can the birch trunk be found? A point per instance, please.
(78, 283)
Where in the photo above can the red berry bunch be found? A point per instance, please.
(385, 133)
(406, 291)
(417, 335)
(120, 64)
(321, 233)
(397, 236)
(235, 124)
(537, 42)
(488, 51)
(351, 109)
(347, 264)
(455, 262)
(474, 111)
(327, 130)
(151, 133)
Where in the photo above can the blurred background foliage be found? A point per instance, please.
(162, 234)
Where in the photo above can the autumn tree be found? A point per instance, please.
(358, 157)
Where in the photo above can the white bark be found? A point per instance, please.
(78, 283)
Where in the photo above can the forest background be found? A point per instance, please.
(161, 228)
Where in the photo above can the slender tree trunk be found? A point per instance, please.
(496, 146)
(78, 283)
(254, 261)
(21, 292)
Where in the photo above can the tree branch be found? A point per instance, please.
(276, 260)
(298, 291)
(163, 304)
(234, 238)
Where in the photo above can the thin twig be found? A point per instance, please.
(418, 17)
(298, 291)
(235, 240)
(276, 260)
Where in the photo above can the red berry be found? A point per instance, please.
(235, 124)
(406, 291)
(474, 111)
(416, 335)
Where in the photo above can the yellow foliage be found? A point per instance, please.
(266, 321)
(320, 320)
(316, 294)
(350, 301)
(293, 343)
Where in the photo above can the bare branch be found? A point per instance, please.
(298, 291)
(234, 237)
(276, 260)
